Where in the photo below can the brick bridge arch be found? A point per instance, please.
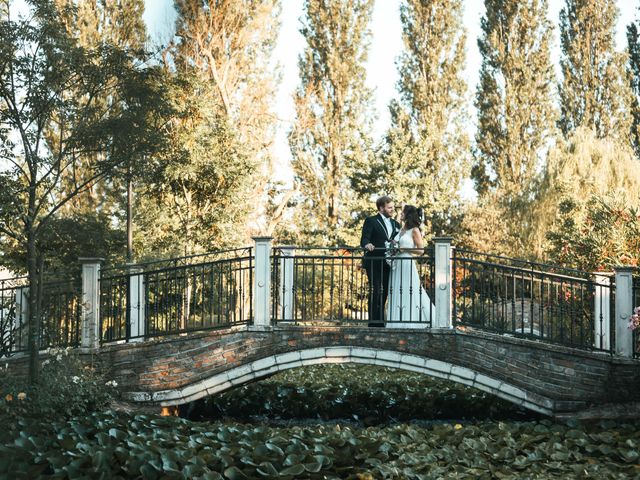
(549, 379)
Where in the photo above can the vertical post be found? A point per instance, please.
(624, 310)
(136, 304)
(285, 290)
(90, 302)
(22, 318)
(443, 282)
(262, 281)
(602, 311)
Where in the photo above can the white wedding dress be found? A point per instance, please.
(408, 305)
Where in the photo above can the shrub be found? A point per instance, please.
(66, 387)
(596, 234)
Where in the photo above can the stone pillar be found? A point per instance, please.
(262, 282)
(285, 289)
(136, 303)
(602, 311)
(624, 310)
(443, 282)
(90, 319)
(21, 321)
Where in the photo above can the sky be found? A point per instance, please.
(386, 45)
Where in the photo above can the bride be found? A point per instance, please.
(409, 305)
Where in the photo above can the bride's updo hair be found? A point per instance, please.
(412, 216)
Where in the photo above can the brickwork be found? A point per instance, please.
(553, 378)
(546, 378)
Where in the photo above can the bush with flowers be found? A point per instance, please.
(65, 387)
(634, 321)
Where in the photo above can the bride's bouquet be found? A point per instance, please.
(391, 250)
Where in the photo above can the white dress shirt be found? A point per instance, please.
(387, 225)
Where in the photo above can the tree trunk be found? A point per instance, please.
(33, 345)
(129, 215)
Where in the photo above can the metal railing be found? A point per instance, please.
(326, 286)
(60, 304)
(60, 312)
(544, 302)
(330, 286)
(636, 303)
(176, 296)
(13, 316)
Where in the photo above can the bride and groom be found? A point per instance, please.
(397, 280)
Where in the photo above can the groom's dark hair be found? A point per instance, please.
(382, 201)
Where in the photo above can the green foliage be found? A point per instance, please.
(93, 24)
(595, 91)
(485, 224)
(596, 233)
(330, 139)
(516, 117)
(68, 237)
(367, 394)
(633, 71)
(111, 445)
(578, 168)
(104, 21)
(194, 197)
(228, 45)
(52, 120)
(514, 97)
(425, 154)
(66, 388)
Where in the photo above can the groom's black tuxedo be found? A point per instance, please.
(374, 232)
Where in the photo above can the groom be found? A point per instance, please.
(377, 230)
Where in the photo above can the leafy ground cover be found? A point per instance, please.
(121, 445)
(81, 443)
(366, 395)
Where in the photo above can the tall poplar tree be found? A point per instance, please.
(229, 45)
(595, 92)
(516, 116)
(514, 97)
(426, 152)
(330, 140)
(633, 68)
(211, 183)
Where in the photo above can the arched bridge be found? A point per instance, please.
(553, 340)
(545, 378)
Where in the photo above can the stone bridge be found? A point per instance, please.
(561, 344)
(550, 379)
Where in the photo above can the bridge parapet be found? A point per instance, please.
(265, 285)
(550, 379)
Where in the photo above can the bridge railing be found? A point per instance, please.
(319, 285)
(13, 316)
(59, 306)
(189, 294)
(636, 303)
(60, 312)
(544, 302)
(262, 286)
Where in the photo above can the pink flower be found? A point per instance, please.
(634, 321)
